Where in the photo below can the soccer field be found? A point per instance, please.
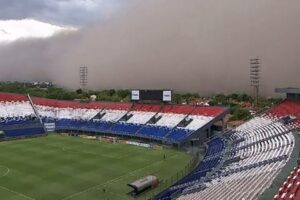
(61, 168)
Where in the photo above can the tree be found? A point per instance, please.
(79, 91)
(122, 93)
(240, 114)
(177, 99)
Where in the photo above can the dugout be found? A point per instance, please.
(143, 184)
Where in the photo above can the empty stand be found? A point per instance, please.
(8, 97)
(177, 109)
(207, 111)
(260, 148)
(17, 117)
(212, 158)
(291, 187)
(151, 121)
(286, 108)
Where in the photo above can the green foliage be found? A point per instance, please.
(123, 93)
(240, 114)
(64, 94)
(213, 102)
(233, 96)
(187, 97)
(177, 98)
(79, 91)
(245, 97)
(219, 99)
(267, 103)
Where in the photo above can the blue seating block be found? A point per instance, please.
(21, 127)
(154, 131)
(125, 128)
(211, 160)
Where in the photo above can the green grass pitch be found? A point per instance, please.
(68, 168)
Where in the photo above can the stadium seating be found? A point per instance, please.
(198, 121)
(17, 117)
(8, 97)
(112, 115)
(171, 115)
(207, 111)
(286, 108)
(82, 125)
(139, 117)
(81, 111)
(260, 148)
(169, 120)
(290, 188)
(212, 158)
(154, 132)
(178, 134)
(67, 113)
(17, 108)
(129, 119)
(125, 128)
(146, 108)
(202, 115)
(21, 126)
(177, 109)
(160, 122)
(133, 120)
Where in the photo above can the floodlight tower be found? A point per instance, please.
(83, 77)
(255, 69)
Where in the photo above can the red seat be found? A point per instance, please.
(208, 111)
(177, 109)
(78, 105)
(12, 97)
(146, 107)
(287, 107)
(290, 187)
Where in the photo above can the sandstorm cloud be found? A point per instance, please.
(191, 46)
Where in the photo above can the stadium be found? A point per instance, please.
(149, 100)
(54, 149)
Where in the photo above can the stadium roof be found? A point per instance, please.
(288, 90)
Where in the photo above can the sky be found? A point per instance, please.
(45, 18)
(188, 46)
(13, 30)
(60, 12)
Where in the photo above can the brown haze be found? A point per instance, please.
(195, 45)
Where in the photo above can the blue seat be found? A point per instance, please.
(82, 125)
(21, 127)
(211, 159)
(179, 134)
(156, 132)
(125, 128)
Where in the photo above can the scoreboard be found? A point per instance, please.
(151, 95)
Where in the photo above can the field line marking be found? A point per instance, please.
(115, 179)
(7, 170)
(17, 193)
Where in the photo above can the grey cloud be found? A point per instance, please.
(196, 45)
(70, 12)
